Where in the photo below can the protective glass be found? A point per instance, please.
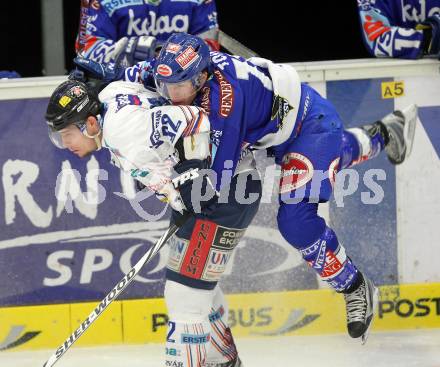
(181, 90)
(56, 136)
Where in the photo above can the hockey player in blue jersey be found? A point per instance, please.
(407, 29)
(256, 104)
(130, 31)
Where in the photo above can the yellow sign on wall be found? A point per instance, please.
(393, 89)
(310, 312)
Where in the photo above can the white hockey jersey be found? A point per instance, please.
(141, 132)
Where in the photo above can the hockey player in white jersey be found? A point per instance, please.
(166, 148)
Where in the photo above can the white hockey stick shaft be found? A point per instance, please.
(235, 47)
(109, 298)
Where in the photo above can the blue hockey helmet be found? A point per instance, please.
(183, 57)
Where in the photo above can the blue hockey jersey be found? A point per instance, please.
(104, 22)
(388, 26)
(251, 103)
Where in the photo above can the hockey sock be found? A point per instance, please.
(222, 343)
(327, 256)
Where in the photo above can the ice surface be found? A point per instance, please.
(400, 349)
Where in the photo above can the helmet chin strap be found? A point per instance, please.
(95, 137)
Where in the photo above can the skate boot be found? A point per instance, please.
(400, 127)
(235, 363)
(361, 305)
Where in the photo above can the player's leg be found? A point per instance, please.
(394, 133)
(223, 352)
(307, 165)
(199, 254)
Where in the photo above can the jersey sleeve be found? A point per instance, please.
(382, 34)
(97, 36)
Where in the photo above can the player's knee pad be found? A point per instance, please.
(186, 304)
(189, 332)
(302, 179)
(328, 258)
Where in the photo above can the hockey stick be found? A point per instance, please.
(234, 46)
(115, 292)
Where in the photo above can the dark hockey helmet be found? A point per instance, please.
(71, 103)
(183, 57)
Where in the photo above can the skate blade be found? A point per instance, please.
(409, 128)
(364, 337)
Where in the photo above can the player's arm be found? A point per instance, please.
(204, 23)
(99, 41)
(179, 149)
(105, 73)
(381, 35)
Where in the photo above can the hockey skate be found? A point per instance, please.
(400, 126)
(361, 305)
(235, 363)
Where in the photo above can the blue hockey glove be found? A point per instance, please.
(105, 72)
(136, 49)
(431, 35)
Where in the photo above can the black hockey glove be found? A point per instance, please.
(195, 186)
(431, 35)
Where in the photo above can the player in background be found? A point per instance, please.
(166, 148)
(407, 29)
(130, 31)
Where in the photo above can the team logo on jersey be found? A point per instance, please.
(125, 100)
(153, 2)
(164, 70)
(187, 58)
(280, 109)
(173, 48)
(296, 171)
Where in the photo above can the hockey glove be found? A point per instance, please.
(136, 49)
(93, 70)
(194, 185)
(431, 35)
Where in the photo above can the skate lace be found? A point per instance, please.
(356, 304)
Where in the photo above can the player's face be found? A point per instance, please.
(181, 93)
(74, 140)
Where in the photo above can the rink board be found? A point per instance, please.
(68, 232)
(311, 312)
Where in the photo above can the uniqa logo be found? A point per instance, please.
(16, 337)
